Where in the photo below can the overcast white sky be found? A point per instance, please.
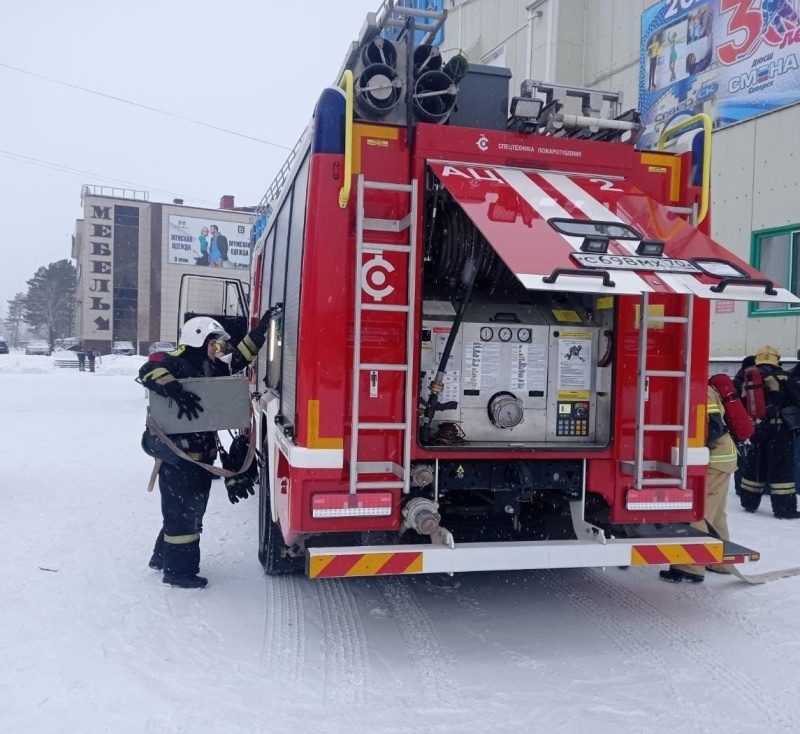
(253, 66)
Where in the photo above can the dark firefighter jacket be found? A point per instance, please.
(194, 362)
(781, 390)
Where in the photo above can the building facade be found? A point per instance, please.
(131, 255)
(734, 59)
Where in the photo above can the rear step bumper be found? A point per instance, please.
(417, 559)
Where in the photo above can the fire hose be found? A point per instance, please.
(215, 470)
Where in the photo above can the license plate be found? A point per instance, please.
(634, 262)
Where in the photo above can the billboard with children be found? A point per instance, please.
(732, 59)
(208, 243)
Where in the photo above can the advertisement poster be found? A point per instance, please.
(208, 243)
(731, 59)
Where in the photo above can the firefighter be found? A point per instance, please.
(738, 381)
(185, 485)
(722, 463)
(770, 462)
(795, 373)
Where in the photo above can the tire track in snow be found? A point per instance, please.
(747, 621)
(347, 666)
(714, 666)
(638, 647)
(283, 647)
(431, 662)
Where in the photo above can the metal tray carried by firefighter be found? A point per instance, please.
(225, 402)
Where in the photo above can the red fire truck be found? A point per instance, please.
(489, 344)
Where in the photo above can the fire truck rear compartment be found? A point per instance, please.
(524, 499)
(527, 369)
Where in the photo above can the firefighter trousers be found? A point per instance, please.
(185, 488)
(717, 485)
(770, 463)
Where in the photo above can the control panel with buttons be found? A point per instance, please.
(573, 419)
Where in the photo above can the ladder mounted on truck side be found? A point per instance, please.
(674, 473)
(400, 471)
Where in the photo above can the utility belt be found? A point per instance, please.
(207, 457)
(198, 447)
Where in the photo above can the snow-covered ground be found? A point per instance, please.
(91, 641)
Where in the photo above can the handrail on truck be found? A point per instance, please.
(705, 189)
(346, 83)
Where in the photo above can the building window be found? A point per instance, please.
(776, 253)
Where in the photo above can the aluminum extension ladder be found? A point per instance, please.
(676, 472)
(408, 223)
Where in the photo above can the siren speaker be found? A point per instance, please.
(434, 97)
(379, 51)
(426, 58)
(378, 90)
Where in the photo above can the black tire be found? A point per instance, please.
(272, 552)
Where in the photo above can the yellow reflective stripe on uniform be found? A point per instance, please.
(713, 408)
(154, 374)
(247, 349)
(752, 486)
(723, 458)
(181, 539)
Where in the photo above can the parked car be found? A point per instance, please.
(38, 346)
(161, 347)
(125, 348)
(3, 346)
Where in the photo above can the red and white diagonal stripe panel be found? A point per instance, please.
(511, 207)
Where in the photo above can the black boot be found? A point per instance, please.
(186, 582)
(750, 500)
(157, 559)
(181, 560)
(181, 564)
(675, 576)
(784, 506)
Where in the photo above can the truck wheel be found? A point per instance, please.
(272, 552)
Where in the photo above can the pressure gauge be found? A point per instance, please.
(486, 334)
(505, 410)
(524, 335)
(504, 334)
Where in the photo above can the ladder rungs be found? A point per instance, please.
(388, 367)
(669, 319)
(378, 247)
(661, 427)
(384, 186)
(661, 482)
(665, 373)
(380, 485)
(380, 426)
(386, 225)
(384, 307)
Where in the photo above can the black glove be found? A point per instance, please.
(263, 324)
(239, 487)
(188, 404)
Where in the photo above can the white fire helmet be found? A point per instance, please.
(195, 331)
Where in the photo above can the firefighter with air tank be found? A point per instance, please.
(770, 461)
